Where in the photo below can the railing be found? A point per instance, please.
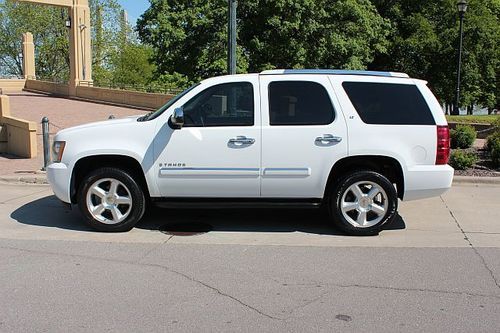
(151, 88)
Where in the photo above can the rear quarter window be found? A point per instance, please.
(389, 103)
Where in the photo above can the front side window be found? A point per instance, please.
(299, 103)
(228, 104)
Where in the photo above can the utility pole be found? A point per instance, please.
(231, 34)
(462, 8)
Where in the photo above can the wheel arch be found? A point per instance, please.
(87, 164)
(388, 166)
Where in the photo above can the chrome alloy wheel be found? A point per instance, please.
(364, 204)
(109, 201)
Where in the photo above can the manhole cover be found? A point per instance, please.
(185, 229)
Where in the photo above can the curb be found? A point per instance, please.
(42, 179)
(458, 180)
(39, 179)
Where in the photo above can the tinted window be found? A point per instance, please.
(391, 104)
(299, 103)
(228, 104)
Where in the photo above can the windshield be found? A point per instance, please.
(155, 114)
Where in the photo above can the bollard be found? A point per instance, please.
(46, 143)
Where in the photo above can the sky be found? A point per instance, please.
(135, 8)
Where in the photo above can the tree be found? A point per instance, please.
(311, 33)
(424, 41)
(191, 38)
(50, 38)
(188, 37)
(131, 65)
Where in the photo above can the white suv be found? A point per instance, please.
(351, 141)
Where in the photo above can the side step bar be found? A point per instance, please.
(235, 203)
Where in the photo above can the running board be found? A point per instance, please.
(235, 203)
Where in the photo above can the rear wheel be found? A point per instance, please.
(111, 200)
(363, 202)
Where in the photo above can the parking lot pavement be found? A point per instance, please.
(437, 269)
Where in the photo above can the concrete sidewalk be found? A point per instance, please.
(62, 113)
(466, 211)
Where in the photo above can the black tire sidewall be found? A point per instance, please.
(344, 184)
(136, 192)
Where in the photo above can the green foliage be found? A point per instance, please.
(50, 36)
(424, 43)
(173, 81)
(191, 37)
(493, 144)
(479, 119)
(461, 160)
(495, 151)
(131, 65)
(311, 34)
(463, 136)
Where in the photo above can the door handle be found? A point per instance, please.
(328, 138)
(242, 140)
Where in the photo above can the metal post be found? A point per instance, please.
(231, 61)
(456, 109)
(46, 143)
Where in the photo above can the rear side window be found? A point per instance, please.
(299, 103)
(389, 104)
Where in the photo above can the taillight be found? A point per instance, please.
(443, 145)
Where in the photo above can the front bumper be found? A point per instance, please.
(427, 181)
(59, 177)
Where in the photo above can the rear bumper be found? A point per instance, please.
(427, 181)
(59, 176)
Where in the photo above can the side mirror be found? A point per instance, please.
(177, 119)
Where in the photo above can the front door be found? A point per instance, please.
(303, 134)
(217, 152)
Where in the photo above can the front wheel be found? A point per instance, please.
(363, 202)
(111, 200)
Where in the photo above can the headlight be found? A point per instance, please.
(57, 151)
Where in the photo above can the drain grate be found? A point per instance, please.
(185, 229)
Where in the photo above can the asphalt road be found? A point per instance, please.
(437, 269)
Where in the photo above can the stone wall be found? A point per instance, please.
(11, 85)
(136, 99)
(17, 136)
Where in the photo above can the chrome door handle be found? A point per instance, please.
(328, 138)
(242, 140)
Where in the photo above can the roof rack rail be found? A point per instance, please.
(334, 72)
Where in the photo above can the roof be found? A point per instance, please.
(334, 72)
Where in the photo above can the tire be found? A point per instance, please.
(111, 200)
(362, 203)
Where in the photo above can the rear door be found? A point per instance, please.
(303, 134)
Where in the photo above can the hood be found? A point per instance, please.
(102, 124)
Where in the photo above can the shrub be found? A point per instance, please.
(495, 151)
(462, 136)
(492, 139)
(461, 160)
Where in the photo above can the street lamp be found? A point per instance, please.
(462, 8)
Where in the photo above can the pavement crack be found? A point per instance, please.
(424, 290)
(466, 237)
(152, 250)
(137, 263)
(216, 290)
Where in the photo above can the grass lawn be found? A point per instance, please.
(485, 119)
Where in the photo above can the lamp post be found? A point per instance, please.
(462, 8)
(231, 36)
